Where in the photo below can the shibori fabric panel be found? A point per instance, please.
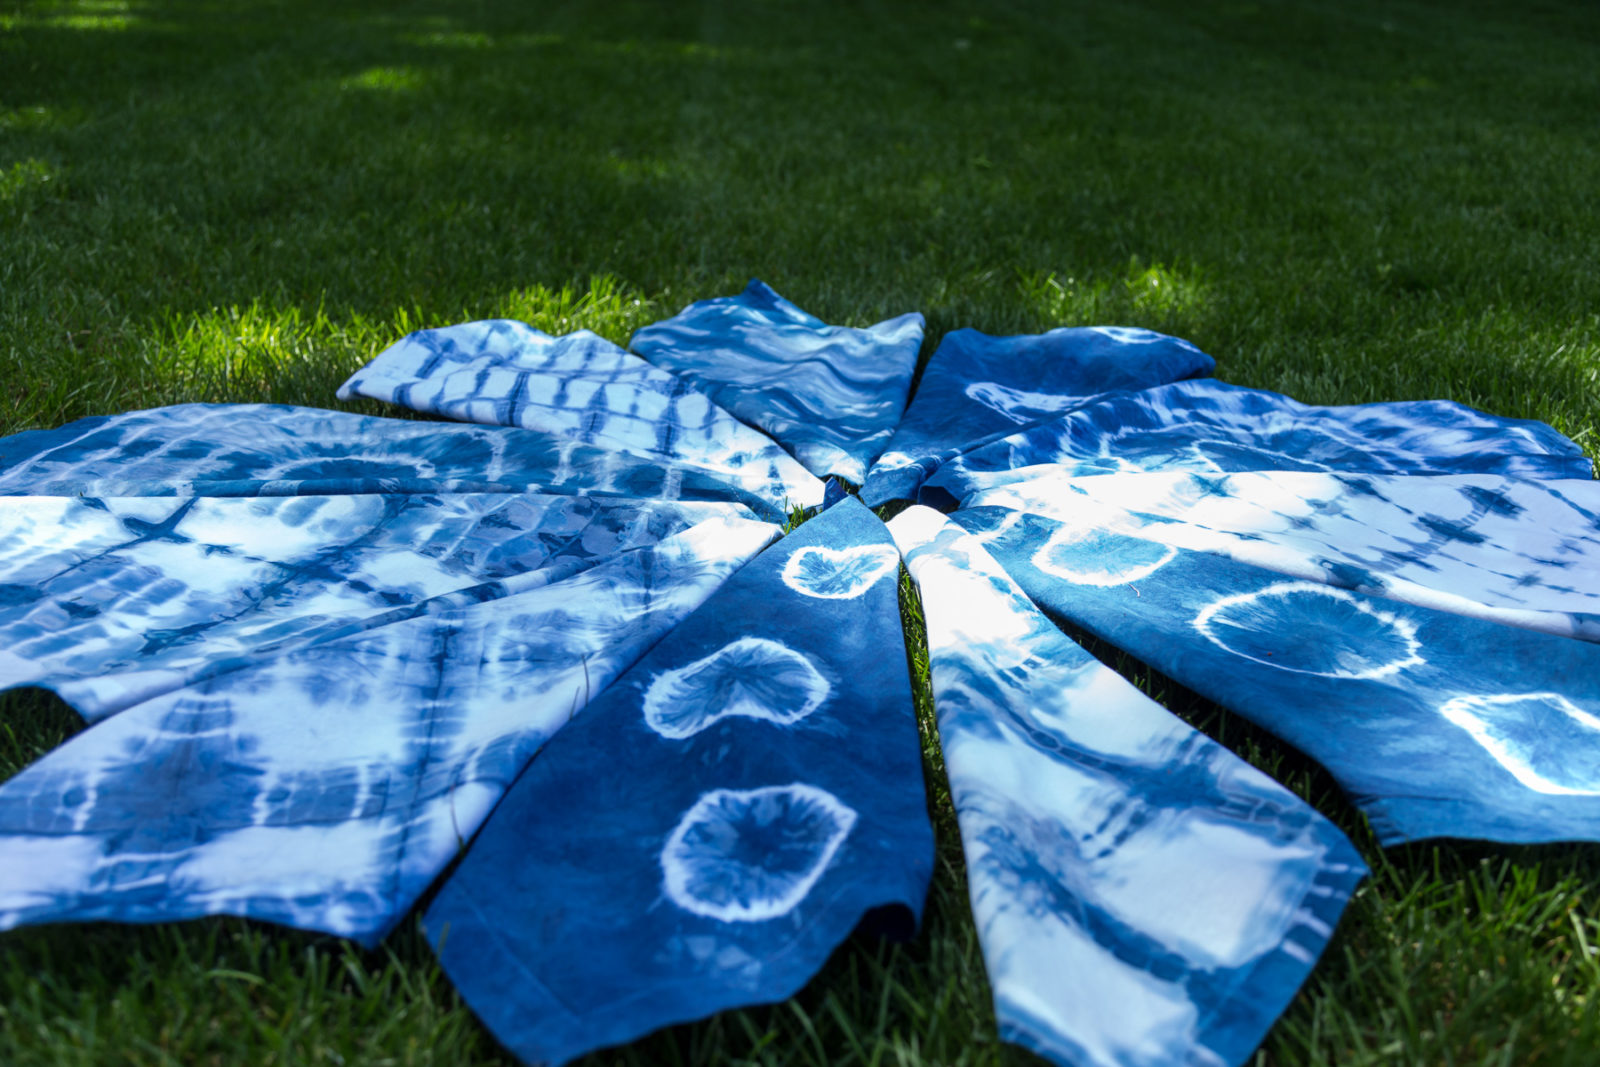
(1516, 552)
(707, 833)
(831, 395)
(1436, 724)
(278, 450)
(1142, 895)
(584, 388)
(111, 601)
(1211, 427)
(325, 786)
(977, 388)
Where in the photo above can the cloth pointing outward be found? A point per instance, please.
(317, 648)
(831, 395)
(1142, 895)
(705, 834)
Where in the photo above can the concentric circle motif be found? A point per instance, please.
(1311, 629)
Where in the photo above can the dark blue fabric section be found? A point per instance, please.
(977, 387)
(716, 823)
(831, 395)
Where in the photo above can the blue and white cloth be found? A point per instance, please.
(318, 648)
(710, 829)
(1436, 724)
(584, 389)
(306, 716)
(831, 395)
(977, 388)
(1142, 895)
(1210, 427)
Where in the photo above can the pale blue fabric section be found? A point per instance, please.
(277, 450)
(112, 601)
(1511, 551)
(831, 395)
(582, 388)
(709, 831)
(1142, 895)
(977, 388)
(1437, 724)
(1211, 427)
(325, 782)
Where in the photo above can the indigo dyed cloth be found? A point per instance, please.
(1512, 551)
(1211, 427)
(313, 701)
(705, 834)
(1142, 895)
(580, 388)
(278, 450)
(977, 388)
(831, 395)
(1436, 724)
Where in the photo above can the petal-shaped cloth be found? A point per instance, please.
(1436, 724)
(326, 783)
(1211, 427)
(977, 388)
(1143, 896)
(716, 823)
(582, 388)
(1516, 552)
(831, 395)
(279, 450)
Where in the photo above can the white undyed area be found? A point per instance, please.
(810, 570)
(1477, 714)
(681, 860)
(1234, 898)
(287, 862)
(37, 870)
(1134, 335)
(681, 702)
(1017, 405)
(1260, 615)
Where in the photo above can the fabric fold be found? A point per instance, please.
(831, 395)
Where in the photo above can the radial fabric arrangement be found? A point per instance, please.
(324, 653)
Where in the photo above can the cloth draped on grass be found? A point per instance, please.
(736, 849)
(1142, 894)
(324, 645)
(831, 395)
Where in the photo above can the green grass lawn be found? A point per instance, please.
(1345, 201)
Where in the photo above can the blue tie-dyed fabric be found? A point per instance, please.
(707, 833)
(1211, 427)
(313, 701)
(322, 645)
(277, 450)
(976, 388)
(580, 388)
(831, 395)
(1437, 724)
(1512, 551)
(1142, 895)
